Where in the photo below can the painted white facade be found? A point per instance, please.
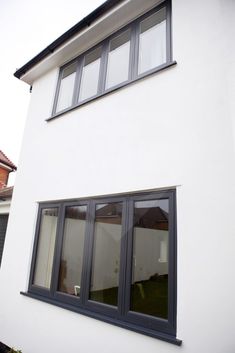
(172, 129)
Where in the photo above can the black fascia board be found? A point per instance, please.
(85, 22)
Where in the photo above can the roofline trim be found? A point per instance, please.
(85, 22)
(8, 165)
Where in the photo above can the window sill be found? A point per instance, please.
(110, 320)
(151, 72)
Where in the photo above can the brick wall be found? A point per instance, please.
(3, 177)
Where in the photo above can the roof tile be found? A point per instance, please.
(5, 160)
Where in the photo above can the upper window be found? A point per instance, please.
(90, 75)
(65, 97)
(118, 59)
(113, 259)
(152, 41)
(139, 49)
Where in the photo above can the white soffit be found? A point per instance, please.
(101, 28)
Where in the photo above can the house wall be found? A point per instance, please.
(3, 176)
(173, 129)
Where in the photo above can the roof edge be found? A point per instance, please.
(85, 22)
(8, 166)
(4, 160)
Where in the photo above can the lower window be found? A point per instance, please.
(111, 258)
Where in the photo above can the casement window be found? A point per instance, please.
(111, 258)
(139, 49)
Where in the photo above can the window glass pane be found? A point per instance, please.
(152, 41)
(118, 60)
(149, 289)
(90, 75)
(72, 250)
(65, 97)
(45, 249)
(106, 253)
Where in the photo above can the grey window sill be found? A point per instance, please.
(110, 320)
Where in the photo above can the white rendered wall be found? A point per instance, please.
(175, 128)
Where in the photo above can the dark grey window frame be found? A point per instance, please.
(120, 315)
(133, 62)
(4, 217)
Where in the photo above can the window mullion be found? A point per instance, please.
(133, 65)
(172, 254)
(123, 261)
(168, 33)
(87, 255)
(103, 67)
(128, 253)
(36, 241)
(78, 80)
(57, 91)
(57, 251)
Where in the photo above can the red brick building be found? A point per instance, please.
(6, 167)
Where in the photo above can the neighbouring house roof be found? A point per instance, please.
(84, 23)
(152, 218)
(5, 160)
(6, 193)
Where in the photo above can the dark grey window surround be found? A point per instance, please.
(120, 316)
(133, 62)
(3, 229)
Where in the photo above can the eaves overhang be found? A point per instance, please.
(84, 23)
(108, 17)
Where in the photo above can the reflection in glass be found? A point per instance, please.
(65, 97)
(72, 250)
(106, 253)
(90, 75)
(149, 289)
(118, 60)
(45, 248)
(152, 42)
